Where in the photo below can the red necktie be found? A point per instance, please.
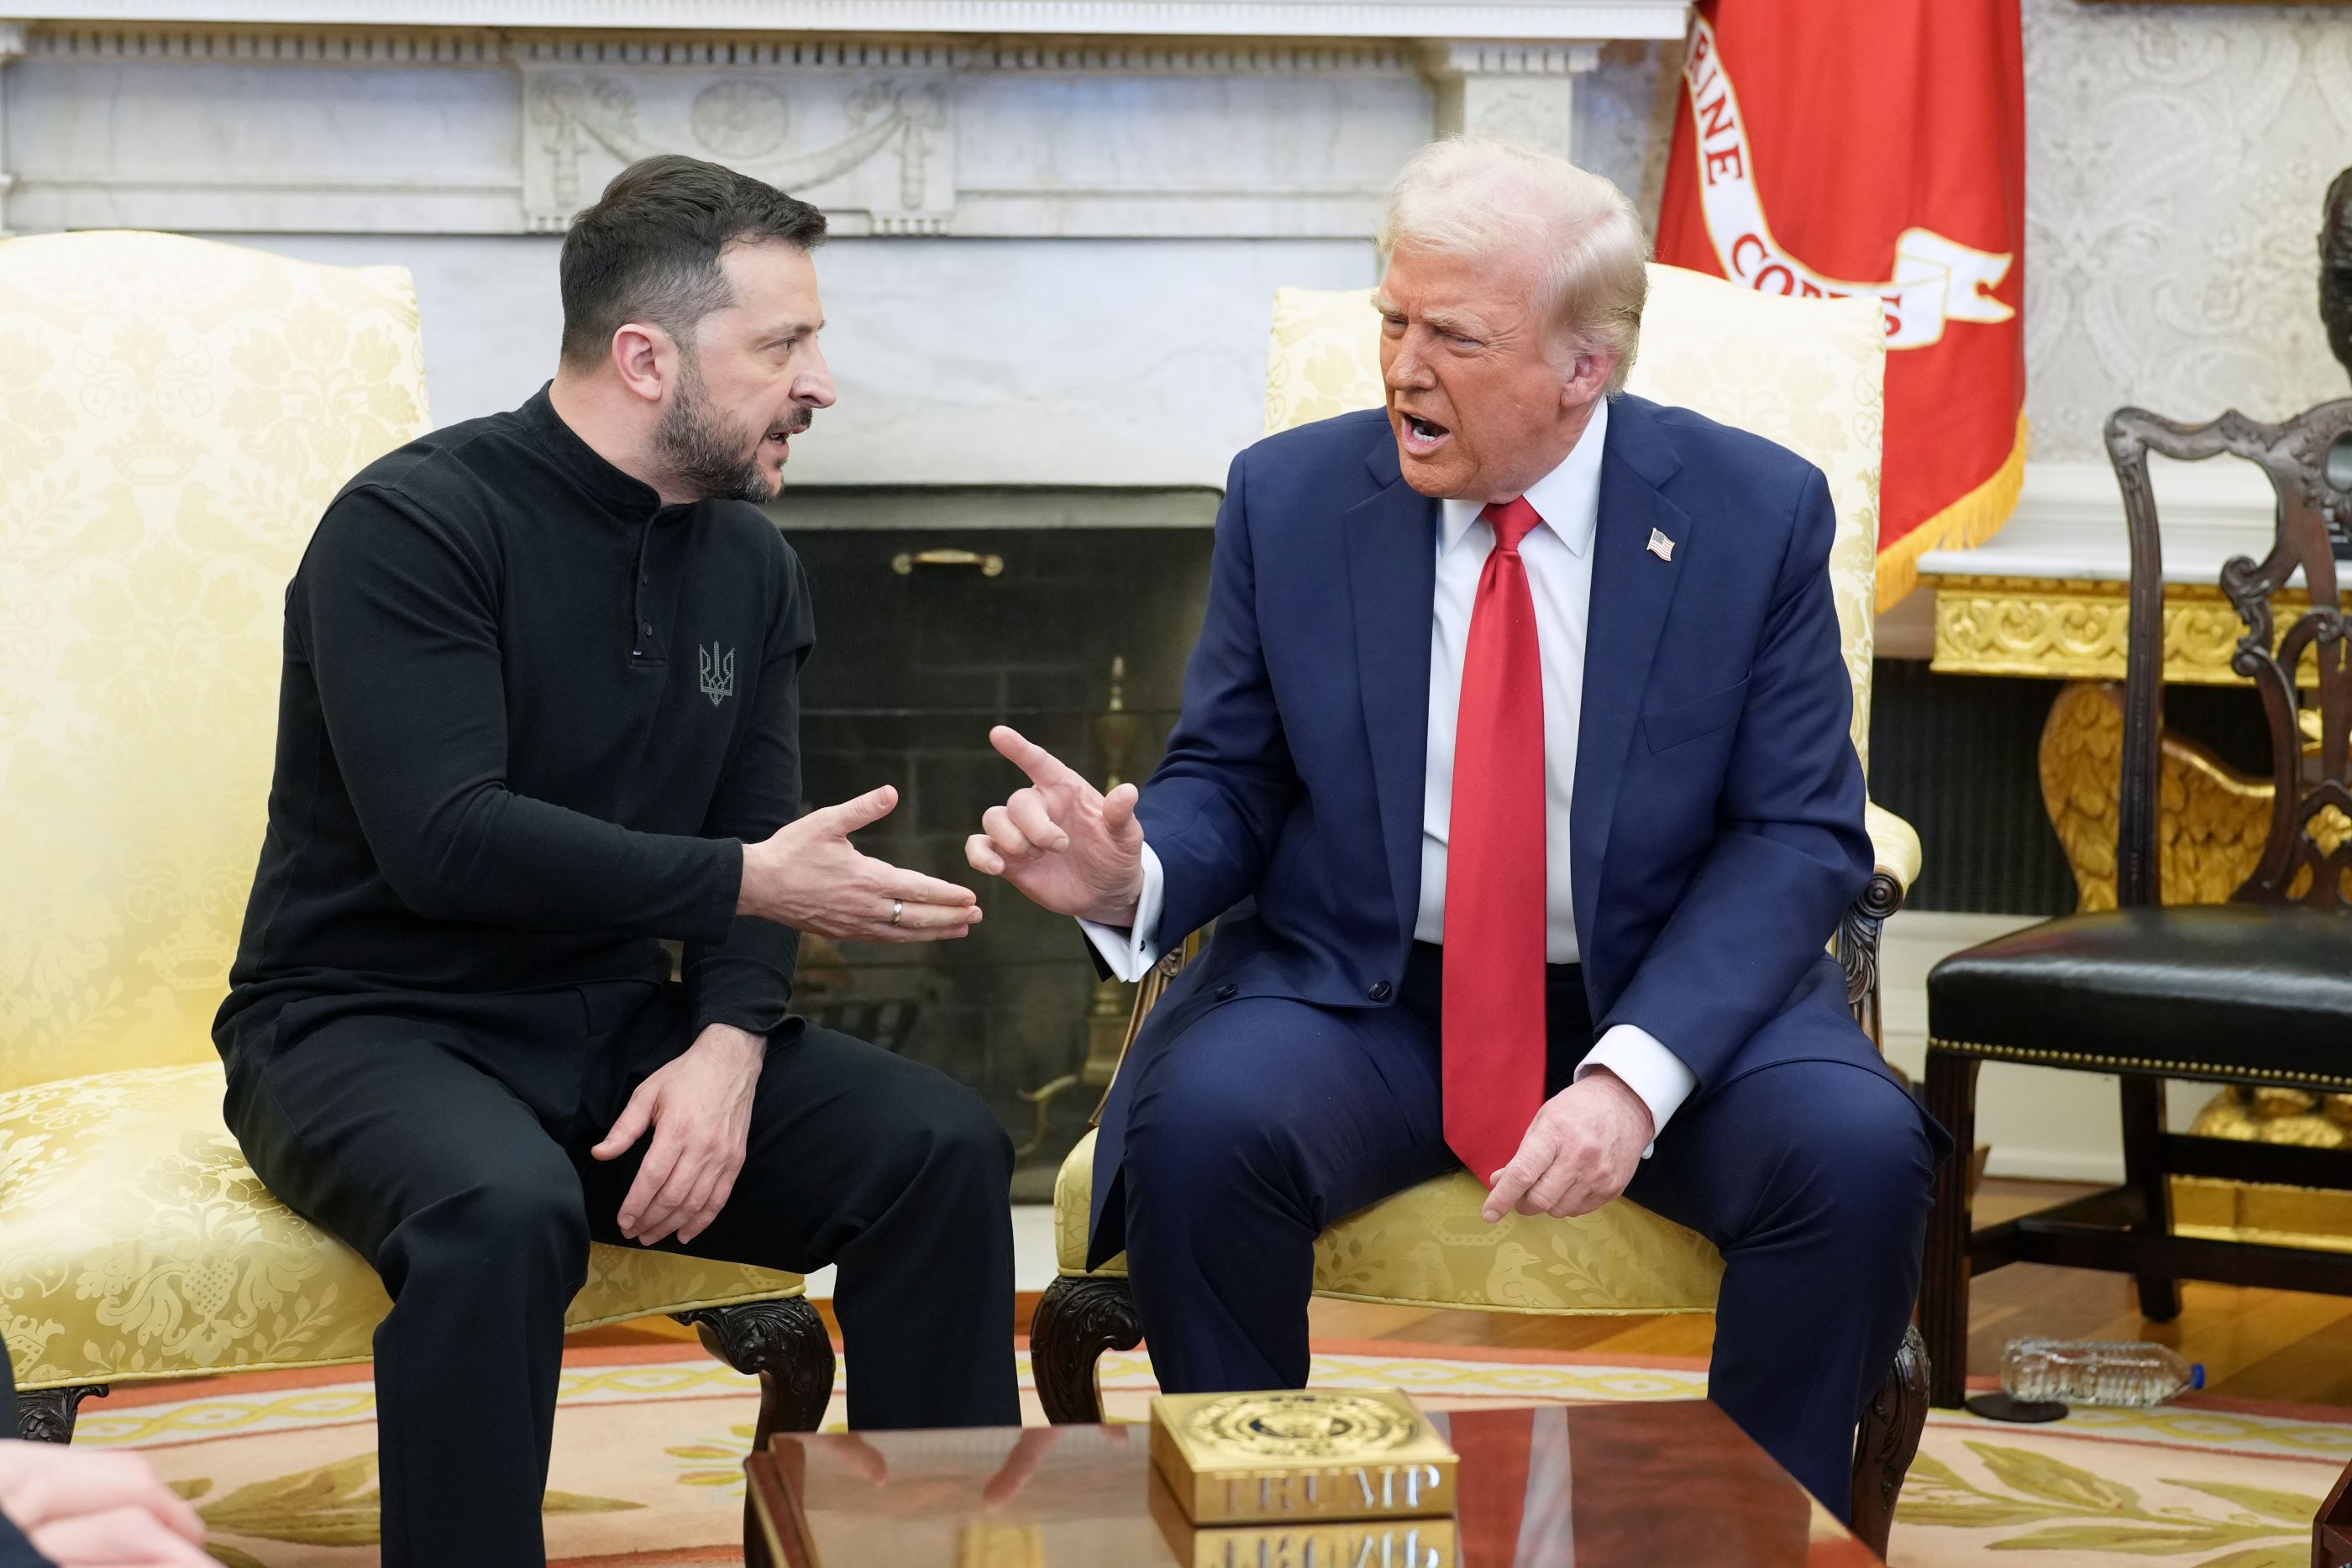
(1495, 863)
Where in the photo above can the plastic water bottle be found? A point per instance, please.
(2096, 1372)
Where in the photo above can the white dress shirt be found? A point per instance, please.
(1558, 557)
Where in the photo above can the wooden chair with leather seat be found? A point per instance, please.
(1808, 375)
(2257, 990)
(174, 414)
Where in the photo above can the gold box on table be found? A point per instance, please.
(1391, 1541)
(1300, 1455)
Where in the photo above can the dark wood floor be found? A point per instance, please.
(2255, 1344)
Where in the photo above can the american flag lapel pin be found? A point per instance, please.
(1661, 545)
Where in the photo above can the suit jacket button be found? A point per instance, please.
(1381, 992)
(1226, 993)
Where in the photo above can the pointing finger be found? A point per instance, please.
(1042, 765)
(1510, 1184)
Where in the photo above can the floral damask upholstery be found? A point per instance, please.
(135, 1242)
(173, 416)
(1429, 1246)
(1806, 373)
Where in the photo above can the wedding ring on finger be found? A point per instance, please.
(897, 908)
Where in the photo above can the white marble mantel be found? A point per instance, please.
(1583, 20)
(1057, 223)
(971, 118)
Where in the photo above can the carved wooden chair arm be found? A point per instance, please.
(1896, 846)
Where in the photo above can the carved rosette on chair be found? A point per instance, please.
(2254, 992)
(1808, 375)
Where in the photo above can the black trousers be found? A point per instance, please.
(1268, 1119)
(446, 1138)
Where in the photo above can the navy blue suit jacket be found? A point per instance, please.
(1717, 818)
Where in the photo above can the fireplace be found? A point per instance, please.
(1066, 612)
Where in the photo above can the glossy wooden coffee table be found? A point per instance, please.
(1600, 1486)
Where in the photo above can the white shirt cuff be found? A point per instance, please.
(1648, 1070)
(1130, 952)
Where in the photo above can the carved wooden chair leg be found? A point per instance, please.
(1076, 1321)
(784, 1345)
(1944, 1282)
(1888, 1440)
(46, 1414)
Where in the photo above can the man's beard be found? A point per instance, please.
(705, 456)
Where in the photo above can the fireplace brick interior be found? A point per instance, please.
(921, 647)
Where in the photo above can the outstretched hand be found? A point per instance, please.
(810, 877)
(1071, 848)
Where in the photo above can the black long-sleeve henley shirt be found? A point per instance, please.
(529, 717)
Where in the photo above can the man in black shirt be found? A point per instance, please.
(539, 711)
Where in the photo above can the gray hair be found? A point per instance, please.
(1476, 195)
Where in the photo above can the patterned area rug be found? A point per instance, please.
(650, 1443)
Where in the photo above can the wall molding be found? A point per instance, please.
(1505, 19)
(494, 130)
(496, 50)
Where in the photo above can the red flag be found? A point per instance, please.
(1877, 147)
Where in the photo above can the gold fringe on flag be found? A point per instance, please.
(1970, 520)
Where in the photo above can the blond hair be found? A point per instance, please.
(1475, 195)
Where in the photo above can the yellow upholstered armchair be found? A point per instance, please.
(1807, 374)
(173, 416)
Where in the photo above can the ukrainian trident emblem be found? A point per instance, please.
(718, 674)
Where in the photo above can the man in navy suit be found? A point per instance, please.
(1515, 758)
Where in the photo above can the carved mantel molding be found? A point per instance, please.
(1519, 92)
(1506, 20)
(968, 118)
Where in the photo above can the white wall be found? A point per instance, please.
(2176, 156)
(959, 362)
